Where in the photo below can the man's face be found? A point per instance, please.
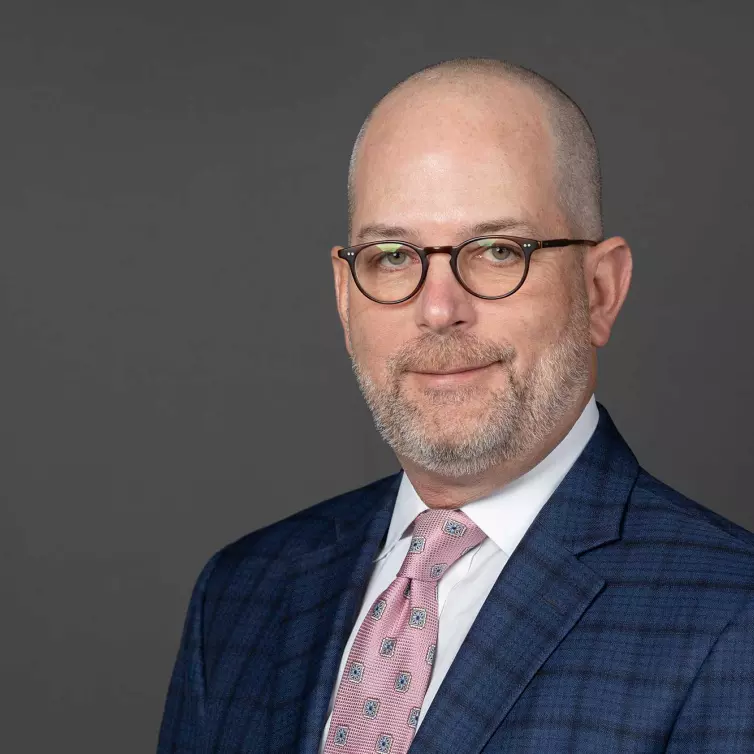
(437, 168)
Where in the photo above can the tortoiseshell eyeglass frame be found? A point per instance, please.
(528, 245)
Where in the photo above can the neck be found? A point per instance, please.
(438, 491)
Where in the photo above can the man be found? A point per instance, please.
(523, 585)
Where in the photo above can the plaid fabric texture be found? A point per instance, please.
(623, 622)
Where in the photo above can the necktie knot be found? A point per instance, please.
(439, 538)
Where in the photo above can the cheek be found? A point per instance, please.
(376, 333)
(537, 317)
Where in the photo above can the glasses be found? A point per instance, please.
(489, 267)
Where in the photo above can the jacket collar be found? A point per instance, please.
(586, 510)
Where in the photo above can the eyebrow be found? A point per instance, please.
(375, 231)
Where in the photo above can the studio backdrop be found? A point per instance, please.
(173, 370)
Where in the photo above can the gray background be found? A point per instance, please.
(173, 373)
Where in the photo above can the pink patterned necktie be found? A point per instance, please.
(388, 669)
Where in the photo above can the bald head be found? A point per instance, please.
(517, 102)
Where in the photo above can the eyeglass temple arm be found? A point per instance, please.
(555, 242)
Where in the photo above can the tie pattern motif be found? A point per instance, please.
(390, 663)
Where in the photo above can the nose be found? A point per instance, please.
(442, 303)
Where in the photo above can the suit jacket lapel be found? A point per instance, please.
(345, 567)
(291, 640)
(540, 594)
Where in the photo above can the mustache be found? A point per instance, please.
(431, 352)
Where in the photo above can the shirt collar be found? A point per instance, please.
(506, 514)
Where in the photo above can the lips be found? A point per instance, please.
(454, 370)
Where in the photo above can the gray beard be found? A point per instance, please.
(511, 424)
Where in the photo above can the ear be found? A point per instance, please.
(342, 279)
(607, 270)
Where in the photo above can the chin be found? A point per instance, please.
(453, 424)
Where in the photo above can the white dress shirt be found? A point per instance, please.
(504, 516)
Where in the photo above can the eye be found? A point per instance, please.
(393, 258)
(500, 253)
(497, 250)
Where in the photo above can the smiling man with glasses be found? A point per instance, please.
(522, 585)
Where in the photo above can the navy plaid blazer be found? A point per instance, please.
(623, 622)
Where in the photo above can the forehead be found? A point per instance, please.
(454, 156)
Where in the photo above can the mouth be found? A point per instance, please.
(453, 370)
(453, 376)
